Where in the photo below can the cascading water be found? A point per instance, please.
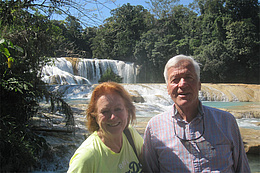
(155, 99)
(74, 71)
(74, 77)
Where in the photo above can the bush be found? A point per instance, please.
(109, 75)
(20, 148)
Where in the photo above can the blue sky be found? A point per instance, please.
(103, 12)
(118, 3)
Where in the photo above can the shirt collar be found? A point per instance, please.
(199, 115)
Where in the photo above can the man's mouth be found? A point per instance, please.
(183, 94)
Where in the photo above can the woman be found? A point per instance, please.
(108, 149)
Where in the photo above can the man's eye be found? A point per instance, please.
(175, 80)
(189, 78)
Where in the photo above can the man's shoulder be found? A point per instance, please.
(212, 109)
(161, 118)
(217, 113)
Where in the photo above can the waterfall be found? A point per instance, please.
(78, 71)
(75, 71)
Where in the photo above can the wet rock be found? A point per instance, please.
(251, 140)
(230, 92)
(136, 97)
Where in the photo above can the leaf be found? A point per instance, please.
(18, 48)
(2, 41)
(6, 52)
(10, 44)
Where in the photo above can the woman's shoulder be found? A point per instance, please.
(133, 131)
(87, 150)
(85, 156)
(138, 139)
(89, 145)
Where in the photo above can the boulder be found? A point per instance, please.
(136, 97)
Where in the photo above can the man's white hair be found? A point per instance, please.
(175, 60)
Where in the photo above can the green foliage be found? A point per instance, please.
(117, 38)
(161, 8)
(109, 75)
(20, 148)
(214, 57)
(132, 33)
(58, 104)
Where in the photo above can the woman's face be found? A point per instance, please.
(112, 115)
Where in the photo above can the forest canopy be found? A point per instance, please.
(223, 35)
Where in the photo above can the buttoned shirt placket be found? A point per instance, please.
(189, 132)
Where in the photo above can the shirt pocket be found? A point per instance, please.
(223, 159)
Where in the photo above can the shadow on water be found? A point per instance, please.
(254, 162)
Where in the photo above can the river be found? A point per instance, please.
(156, 100)
(74, 77)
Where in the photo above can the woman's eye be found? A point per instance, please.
(118, 109)
(104, 112)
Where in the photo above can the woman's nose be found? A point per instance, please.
(113, 116)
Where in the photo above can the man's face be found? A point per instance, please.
(183, 85)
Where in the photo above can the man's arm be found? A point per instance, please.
(150, 158)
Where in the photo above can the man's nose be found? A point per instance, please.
(182, 82)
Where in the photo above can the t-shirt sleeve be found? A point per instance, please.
(83, 160)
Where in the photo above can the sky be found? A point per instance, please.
(106, 12)
(103, 12)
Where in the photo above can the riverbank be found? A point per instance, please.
(150, 99)
(230, 92)
(251, 137)
(63, 145)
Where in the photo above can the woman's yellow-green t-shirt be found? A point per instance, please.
(94, 156)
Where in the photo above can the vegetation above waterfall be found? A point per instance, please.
(109, 75)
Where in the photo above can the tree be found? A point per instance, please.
(117, 38)
(20, 148)
(244, 49)
(23, 27)
(213, 59)
(243, 9)
(80, 9)
(162, 8)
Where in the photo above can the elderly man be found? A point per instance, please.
(191, 137)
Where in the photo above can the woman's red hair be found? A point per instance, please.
(103, 89)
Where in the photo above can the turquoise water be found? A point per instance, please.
(229, 105)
